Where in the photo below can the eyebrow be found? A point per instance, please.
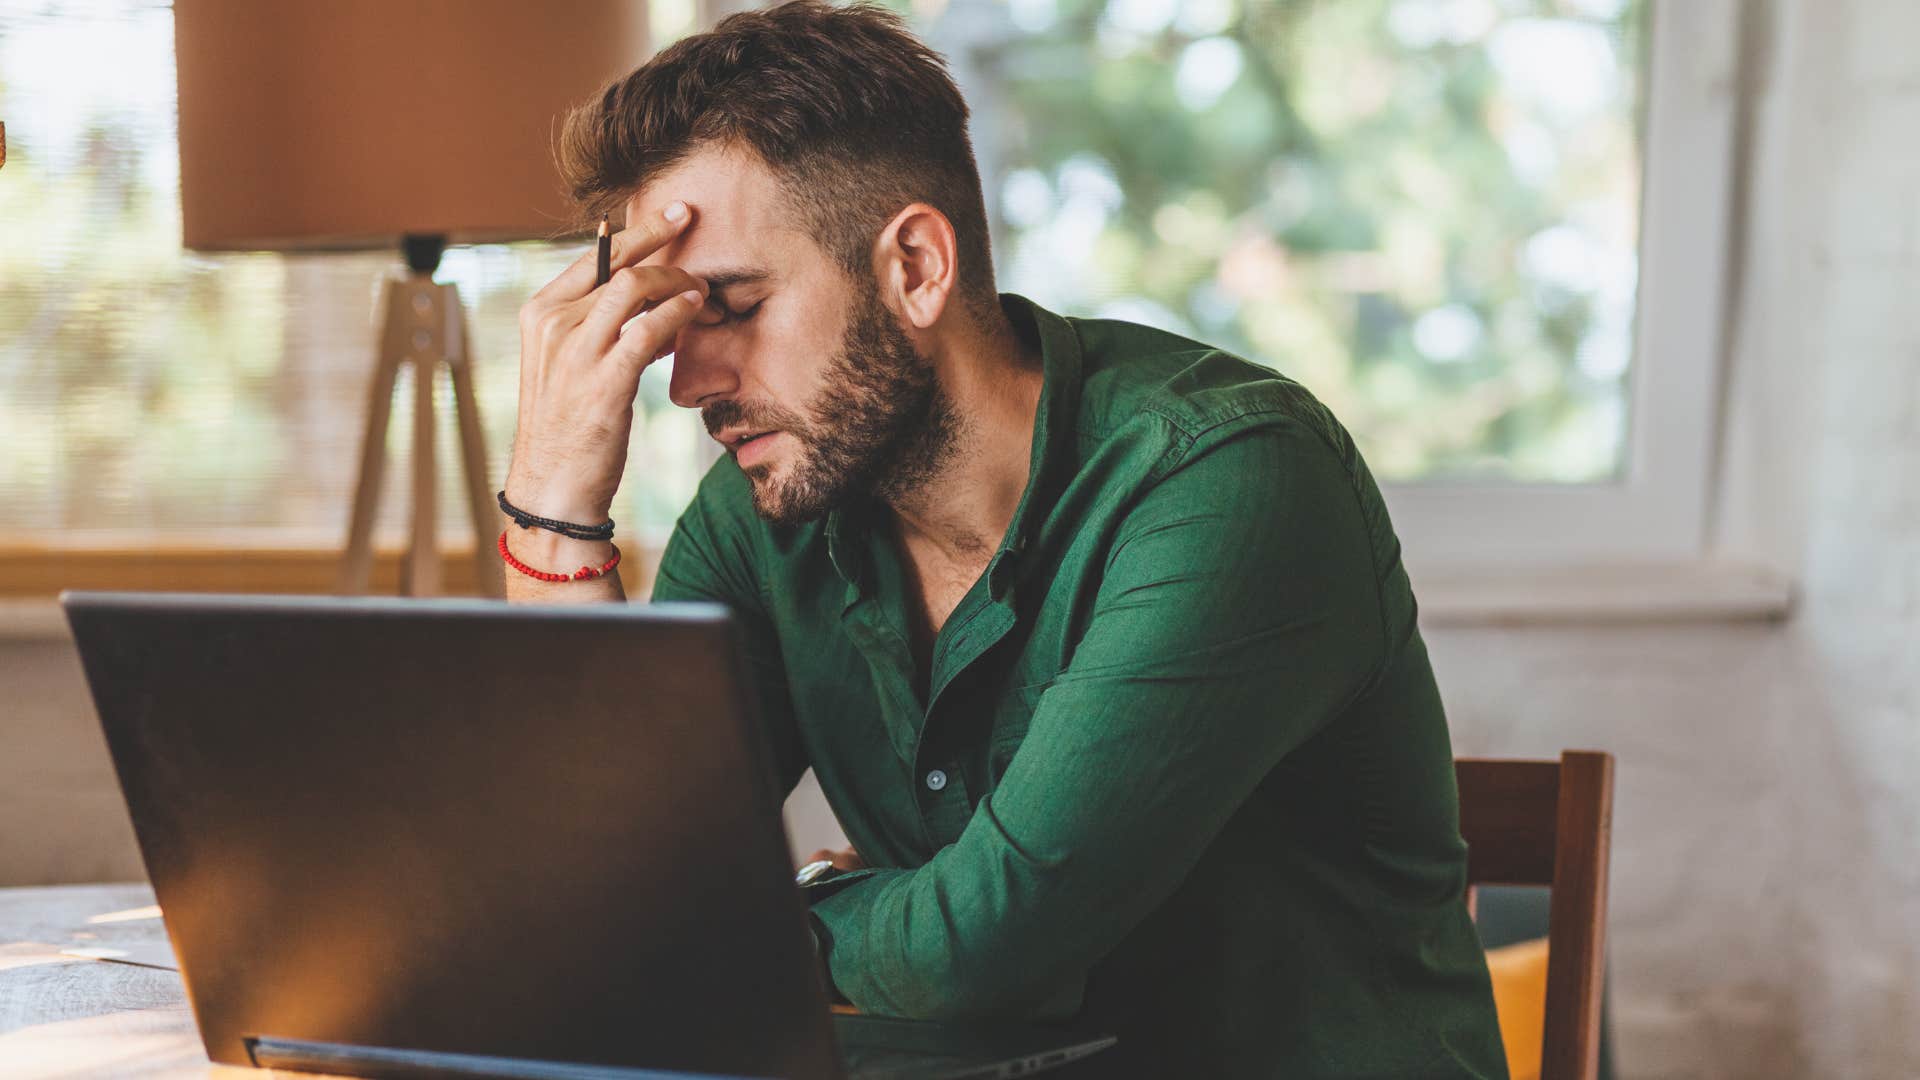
(721, 280)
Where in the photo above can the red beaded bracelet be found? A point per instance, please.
(578, 575)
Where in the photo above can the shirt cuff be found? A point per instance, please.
(832, 882)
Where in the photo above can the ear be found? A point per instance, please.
(916, 262)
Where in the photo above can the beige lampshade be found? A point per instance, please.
(330, 124)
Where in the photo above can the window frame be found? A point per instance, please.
(1640, 543)
(1659, 510)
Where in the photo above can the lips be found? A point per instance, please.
(749, 449)
(736, 438)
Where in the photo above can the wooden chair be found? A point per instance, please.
(1549, 823)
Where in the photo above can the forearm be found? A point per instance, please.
(1119, 787)
(966, 937)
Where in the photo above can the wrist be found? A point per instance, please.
(560, 501)
(553, 552)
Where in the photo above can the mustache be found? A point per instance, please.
(747, 414)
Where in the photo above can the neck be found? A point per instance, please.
(964, 508)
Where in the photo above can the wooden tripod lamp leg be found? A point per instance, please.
(421, 572)
(356, 568)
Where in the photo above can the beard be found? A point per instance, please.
(880, 426)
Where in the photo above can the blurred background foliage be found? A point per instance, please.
(1424, 210)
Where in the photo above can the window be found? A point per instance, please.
(1489, 233)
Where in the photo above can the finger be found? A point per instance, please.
(652, 333)
(631, 244)
(847, 860)
(633, 290)
(653, 232)
(576, 281)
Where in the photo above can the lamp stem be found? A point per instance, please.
(422, 251)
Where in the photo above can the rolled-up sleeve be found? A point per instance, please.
(1238, 613)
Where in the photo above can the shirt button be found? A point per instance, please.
(936, 780)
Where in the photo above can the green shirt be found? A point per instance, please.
(1179, 769)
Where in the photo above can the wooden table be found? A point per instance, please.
(67, 1017)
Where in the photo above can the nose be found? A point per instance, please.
(702, 369)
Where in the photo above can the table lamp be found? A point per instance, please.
(368, 124)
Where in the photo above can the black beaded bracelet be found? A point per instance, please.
(564, 528)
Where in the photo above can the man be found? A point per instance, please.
(1097, 639)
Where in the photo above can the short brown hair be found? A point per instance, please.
(857, 116)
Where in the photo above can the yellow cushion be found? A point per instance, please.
(1520, 996)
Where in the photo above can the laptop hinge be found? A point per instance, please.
(387, 1063)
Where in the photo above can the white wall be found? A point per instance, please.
(1766, 881)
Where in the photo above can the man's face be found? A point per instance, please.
(803, 375)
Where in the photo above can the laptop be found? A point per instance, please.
(454, 837)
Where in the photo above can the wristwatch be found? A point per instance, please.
(815, 871)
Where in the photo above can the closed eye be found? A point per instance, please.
(727, 315)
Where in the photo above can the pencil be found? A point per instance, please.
(604, 272)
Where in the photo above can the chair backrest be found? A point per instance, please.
(1549, 823)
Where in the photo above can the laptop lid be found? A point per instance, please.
(369, 824)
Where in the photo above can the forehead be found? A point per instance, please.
(741, 217)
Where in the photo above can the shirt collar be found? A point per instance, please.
(1054, 421)
(1049, 467)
